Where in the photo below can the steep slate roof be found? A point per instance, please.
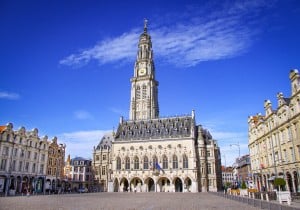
(86, 161)
(105, 141)
(174, 127)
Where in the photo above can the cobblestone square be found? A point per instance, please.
(123, 201)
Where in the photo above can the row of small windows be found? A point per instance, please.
(5, 152)
(21, 167)
(150, 147)
(151, 164)
(31, 144)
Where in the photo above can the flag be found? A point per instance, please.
(158, 167)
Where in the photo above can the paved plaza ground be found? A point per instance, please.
(126, 201)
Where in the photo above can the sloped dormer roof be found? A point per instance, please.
(174, 127)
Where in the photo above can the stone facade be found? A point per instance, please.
(227, 176)
(55, 179)
(274, 140)
(23, 156)
(101, 162)
(79, 173)
(150, 153)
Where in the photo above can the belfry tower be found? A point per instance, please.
(144, 92)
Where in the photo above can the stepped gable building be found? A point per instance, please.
(55, 179)
(274, 140)
(150, 153)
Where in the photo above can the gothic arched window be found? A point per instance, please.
(118, 163)
(146, 163)
(165, 162)
(136, 163)
(185, 161)
(175, 162)
(138, 92)
(127, 163)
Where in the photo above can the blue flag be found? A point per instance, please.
(158, 167)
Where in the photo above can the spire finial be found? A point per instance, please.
(145, 24)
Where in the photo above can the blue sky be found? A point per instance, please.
(66, 65)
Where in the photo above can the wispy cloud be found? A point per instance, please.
(81, 143)
(186, 39)
(10, 96)
(109, 50)
(82, 115)
(231, 143)
(117, 111)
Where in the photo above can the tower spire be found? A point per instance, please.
(145, 25)
(144, 91)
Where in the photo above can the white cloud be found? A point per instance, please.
(195, 37)
(81, 143)
(10, 96)
(109, 50)
(82, 115)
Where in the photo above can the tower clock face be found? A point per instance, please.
(142, 72)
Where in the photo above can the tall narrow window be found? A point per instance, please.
(165, 162)
(136, 163)
(3, 165)
(127, 163)
(285, 155)
(13, 167)
(20, 166)
(118, 163)
(144, 93)
(146, 163)
(290, 134)
(209, 171)
(185, 161)
(103, 170)
(175, 162)
(33, 168)
(154, 162)
(292, 154)
(138, 93)
(42, 169)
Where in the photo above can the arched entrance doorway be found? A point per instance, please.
(116, 185)
(39, 185)
(19, 185)
(163, 185)
(187, 184)
(136, 184)
(25, 184)
(150, 185)
(48, 185)
(124, 185)
(295, 174)
(178, 185)
(289, 181)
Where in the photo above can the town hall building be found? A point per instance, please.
(148, 153)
